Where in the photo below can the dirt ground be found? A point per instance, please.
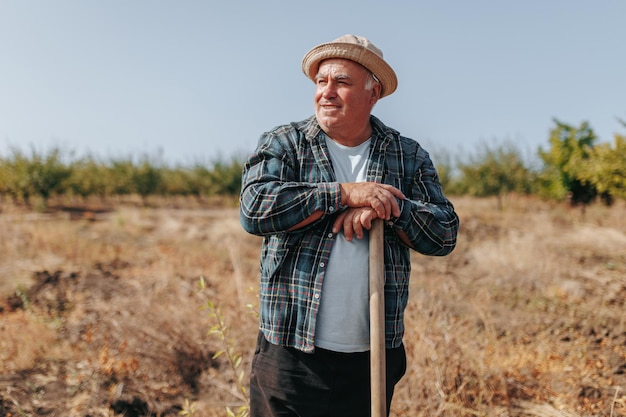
(101, 313)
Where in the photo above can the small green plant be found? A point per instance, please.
(189, 409)
(22, 294)
(221, 330)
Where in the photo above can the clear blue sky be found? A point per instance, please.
(199, 80)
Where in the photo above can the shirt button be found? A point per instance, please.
(322, 264)
(330, 235)
(316, 296)
(331, 209)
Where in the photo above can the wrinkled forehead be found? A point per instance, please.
(341, 66)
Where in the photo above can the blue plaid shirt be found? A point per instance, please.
(288, 178)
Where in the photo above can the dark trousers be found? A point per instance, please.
(286, 382)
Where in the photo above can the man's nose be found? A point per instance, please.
(330, 90)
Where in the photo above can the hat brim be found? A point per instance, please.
(375, 64)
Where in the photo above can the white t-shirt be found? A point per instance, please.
(343, 318)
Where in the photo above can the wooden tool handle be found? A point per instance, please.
(377, 319)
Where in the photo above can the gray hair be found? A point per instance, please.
(371, 80)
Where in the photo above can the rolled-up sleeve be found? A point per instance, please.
(274, 197)
(428, 218)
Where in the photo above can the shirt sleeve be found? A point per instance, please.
(428, 218)
(273, 198)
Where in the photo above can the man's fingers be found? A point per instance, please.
(379, 207)
(348, 226)
(366, 221)
(364, 194)
(338, 223)
(386, 205)
(383, 198)
(354, 221)
(396, 192)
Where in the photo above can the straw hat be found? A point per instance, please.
(357, 49)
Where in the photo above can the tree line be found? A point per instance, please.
(574, 167)
(40, 175)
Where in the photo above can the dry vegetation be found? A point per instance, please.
(101, 316)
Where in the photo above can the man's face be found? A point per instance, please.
(342, 102)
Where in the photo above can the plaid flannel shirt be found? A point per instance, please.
(288, 178)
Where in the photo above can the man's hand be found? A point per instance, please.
(382, 198)
(353, 221)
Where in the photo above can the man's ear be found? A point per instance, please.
(376, 90)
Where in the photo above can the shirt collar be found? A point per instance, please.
(312, 129)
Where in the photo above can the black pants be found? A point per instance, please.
(286, 382)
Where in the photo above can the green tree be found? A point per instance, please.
(495, 171)
(570, 148)
(200, 181)
(3, 178)
(605, 169)
(119, 175)
(15, 177)
(40, 174)
(175, 181)
(47, 174)
(89, 177)
(445, 171)
(226, 176)
(146, 179)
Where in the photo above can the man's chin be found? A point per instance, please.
(327, 119)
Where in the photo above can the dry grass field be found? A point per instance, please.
(100, 313)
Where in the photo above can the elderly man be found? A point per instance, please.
(312, 190)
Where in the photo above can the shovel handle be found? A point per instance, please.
(377, 319)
